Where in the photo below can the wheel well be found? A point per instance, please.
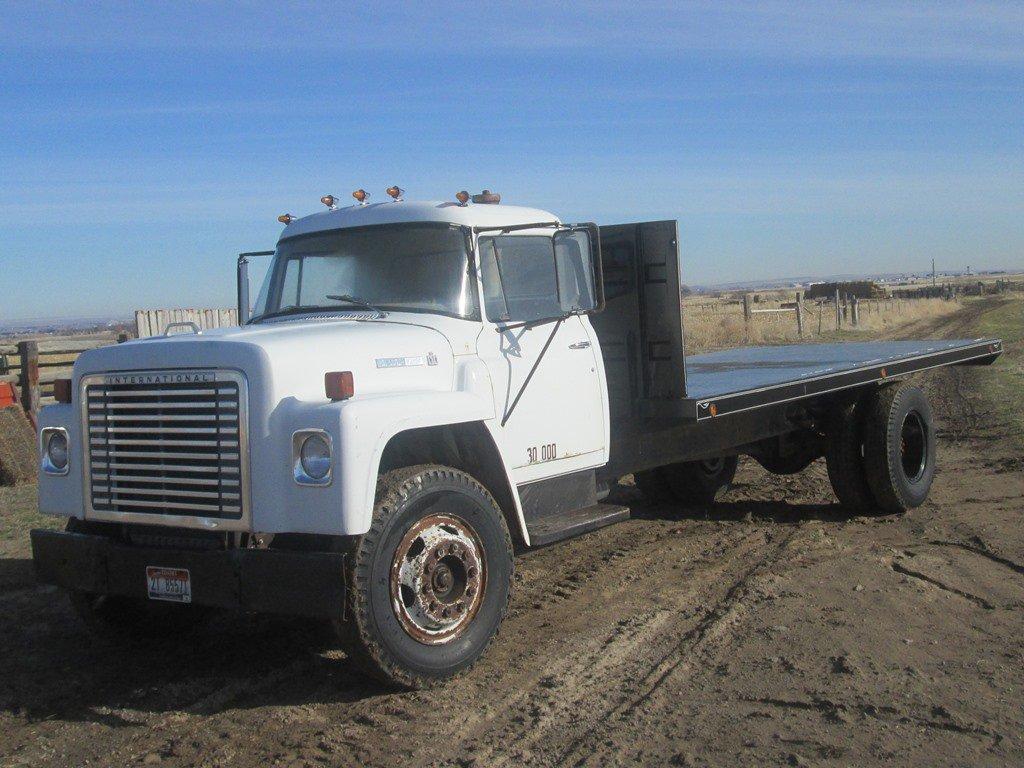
(468, 447)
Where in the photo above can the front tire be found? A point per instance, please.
(429, 583)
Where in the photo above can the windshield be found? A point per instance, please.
(403, 268)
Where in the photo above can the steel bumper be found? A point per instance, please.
(260, 580)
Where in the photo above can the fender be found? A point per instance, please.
(386, 417)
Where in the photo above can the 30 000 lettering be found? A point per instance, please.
(547, 452)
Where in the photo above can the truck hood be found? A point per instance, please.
(289, 359)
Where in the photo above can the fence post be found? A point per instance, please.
(800, 314)
(747, 313)
(839, 312)
(28, 379)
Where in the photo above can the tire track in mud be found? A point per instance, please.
(576, 695)
(632, 550)
(511, 688)
(702, 644)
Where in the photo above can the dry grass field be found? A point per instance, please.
(719, 323)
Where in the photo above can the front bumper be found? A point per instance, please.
(260, 580)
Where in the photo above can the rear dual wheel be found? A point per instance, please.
(882, 450)
(429, 583)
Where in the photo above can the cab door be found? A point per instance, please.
(542, 354)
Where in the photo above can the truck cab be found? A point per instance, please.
(419, 389)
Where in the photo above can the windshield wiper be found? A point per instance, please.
(538, 321)
(289, 311)
(356, 300)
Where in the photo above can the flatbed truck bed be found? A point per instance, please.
(735, 380)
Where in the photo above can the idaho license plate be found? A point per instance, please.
(173, 584)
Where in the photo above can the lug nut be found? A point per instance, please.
(469, 591)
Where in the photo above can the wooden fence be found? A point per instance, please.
(32, 366)
(154, 322)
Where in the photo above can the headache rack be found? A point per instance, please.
(167, 447)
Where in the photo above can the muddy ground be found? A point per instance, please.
(770, 629)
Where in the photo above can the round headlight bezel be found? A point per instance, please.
(315, 457)
(56, 451)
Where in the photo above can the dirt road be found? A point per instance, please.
(770, 629)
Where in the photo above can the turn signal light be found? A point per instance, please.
(395, 192)
(62, 390)
(330, 201)
(462, 197)
(339, 385)
(286, 218)
(360, 195)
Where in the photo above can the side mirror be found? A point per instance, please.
(244, 303)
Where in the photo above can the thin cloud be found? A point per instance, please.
(976, 32)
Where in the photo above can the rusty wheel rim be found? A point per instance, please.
(438, 577)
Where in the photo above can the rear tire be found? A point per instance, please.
(429, 583)
(844, 459)
(691, 483)
(899, 447)
(653, 486)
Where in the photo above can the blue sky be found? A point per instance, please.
(143, 145)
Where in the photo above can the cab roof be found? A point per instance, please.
(409, 211)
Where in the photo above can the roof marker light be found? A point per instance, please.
(395, 192)
(286, 218)
(487, 197)
(330, 201)
(462, 197)
(360, 195)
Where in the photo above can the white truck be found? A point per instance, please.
(421, 389)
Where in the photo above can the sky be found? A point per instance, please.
(144, 145)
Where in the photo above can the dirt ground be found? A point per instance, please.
(768, 630)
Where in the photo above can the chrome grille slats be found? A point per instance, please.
(161, 446)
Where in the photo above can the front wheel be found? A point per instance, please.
(429, 583)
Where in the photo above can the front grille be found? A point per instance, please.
(161, 446)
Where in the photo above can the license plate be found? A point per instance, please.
(172, 584)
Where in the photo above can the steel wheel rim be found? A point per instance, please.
(438, 577)
(913, 446)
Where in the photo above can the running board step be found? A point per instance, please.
(563, 525)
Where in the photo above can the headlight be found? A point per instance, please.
(311, 449)
(55, 451)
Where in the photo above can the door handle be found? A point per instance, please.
(580, 345)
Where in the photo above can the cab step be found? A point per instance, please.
(555, 526)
